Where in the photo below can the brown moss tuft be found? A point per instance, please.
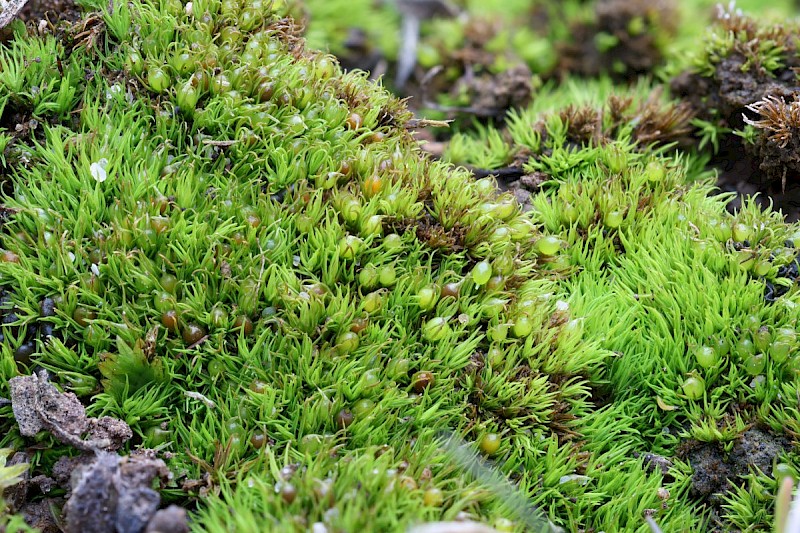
(779, 120)
(777, 146)
(652, 121)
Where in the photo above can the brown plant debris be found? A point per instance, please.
(737, 88)
(38, 405)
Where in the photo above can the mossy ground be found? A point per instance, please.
(212, 232)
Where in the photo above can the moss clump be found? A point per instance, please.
(741, 86)
(225, 241)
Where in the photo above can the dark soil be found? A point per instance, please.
(634, 52)
(715, 472)
(739, 172)
(50, 10)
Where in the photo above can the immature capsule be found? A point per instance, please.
(346, 343)
(655, 172)
(523, 326)
(613, 219)
(188, 96)
(762, 338)
(549, 245)
(433, 497)
(372, 226)
(134, 63)
(350, 246)
(706, 356)
(436, 329)
(387, 276)
(368, 276)
(158, 79)
(755, 364)
(694, 387)
(782, 346)
(490, 443)
(741, 232)
(83, 316)
(182, 62)
(426, 297)
(481, 273)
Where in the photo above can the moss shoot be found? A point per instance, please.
(212, 232)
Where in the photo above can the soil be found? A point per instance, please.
(739, 172)
(633, 53)
(38, 406)
(715, 472)
(50, 10)
(114, 493)
(106, 491)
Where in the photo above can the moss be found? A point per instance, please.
(741, 87)
(215, 234)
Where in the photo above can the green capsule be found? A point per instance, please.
(655, 172)
(363, 407)
(393, 242)
(755, 364)
(481, 273)
(134, 63)
(741, 232)
(398, 368)
(372, 226)
(779, 350)
(762, 267)
(346, 343)
(350, 246)
(158, 79)
(387, 276)
(492, 307)
(372, 302)
(436, 329)
(706, 356)
(613, 219)
(549, 245)
(523, 326)
(182, 62)
(427, 297)
(694, 387)
(762, 338)
(744, 348)
(187, 97)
